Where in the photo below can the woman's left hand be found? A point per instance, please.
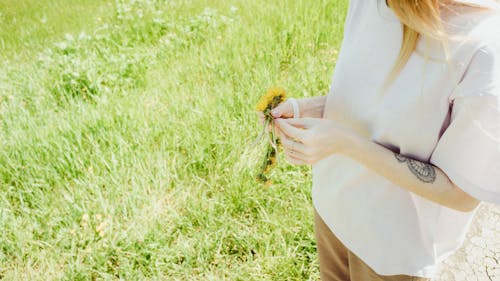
(309, 140)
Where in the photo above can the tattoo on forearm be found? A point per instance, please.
(424, 172)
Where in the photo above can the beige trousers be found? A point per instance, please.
(337, 263)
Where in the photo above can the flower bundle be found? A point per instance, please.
(272, 98)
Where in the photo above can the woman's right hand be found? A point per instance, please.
(283, 110)
(308, 107)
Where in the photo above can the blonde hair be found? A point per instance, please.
(419, 18)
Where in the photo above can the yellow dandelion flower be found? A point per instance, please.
(272, 160)
(267, 169)
(271, 99)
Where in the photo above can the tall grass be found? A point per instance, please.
(126, 138)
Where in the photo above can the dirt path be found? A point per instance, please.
(479, 258)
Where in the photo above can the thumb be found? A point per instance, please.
(304, 123)
(283, 110)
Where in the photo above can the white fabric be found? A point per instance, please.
(444, 112)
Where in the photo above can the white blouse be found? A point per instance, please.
(446, 112)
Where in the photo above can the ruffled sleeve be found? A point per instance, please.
(468, 152)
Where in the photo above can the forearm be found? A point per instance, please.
(417, 177)
(312, 107)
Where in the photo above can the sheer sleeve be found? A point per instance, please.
(468, 152)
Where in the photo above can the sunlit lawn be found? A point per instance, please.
(126, 138)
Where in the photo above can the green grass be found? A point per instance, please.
(127, 130)
(26, 26)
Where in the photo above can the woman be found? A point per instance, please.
(407, 142)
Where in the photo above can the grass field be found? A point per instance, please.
(126, 137)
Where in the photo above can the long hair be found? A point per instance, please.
(419, 18)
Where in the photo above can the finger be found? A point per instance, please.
(294, 161)
(297, 155)
(277, 131)
(293, 146)
(303, 123)
(283, 110)
(291, 131)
